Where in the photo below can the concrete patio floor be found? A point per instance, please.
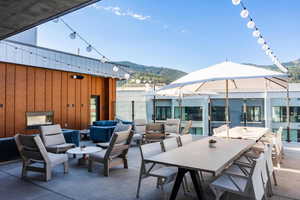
(80, 184)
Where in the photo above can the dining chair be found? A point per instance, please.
(220, 129)
(250, 186)
(154, 132)
(185, 139)
(169, 144)
(172, 128)
(139, 130)
(115, 154)
(32, 151)
(164, 174)
(54, 139)
(186, 129)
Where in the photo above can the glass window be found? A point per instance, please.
(279, 114)
(189, 113)
(196, 131)
(163, 112)
(218, 113)
(253, 113)
(294, 134)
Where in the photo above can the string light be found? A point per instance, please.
(257, 34)
(89, 48)
(115, 68)
(73, 35)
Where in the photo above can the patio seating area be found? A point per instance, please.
(122, 183)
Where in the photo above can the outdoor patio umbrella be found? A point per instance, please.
(227, 76)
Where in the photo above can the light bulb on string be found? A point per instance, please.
(265, 46)
(73, 35)
(104, 59)
(244, 13)
(236, 2)
(261, 40)
(256, 33)
(268, 52)
(115, 68)
(251, 24)
(89, 48)
(127, 76)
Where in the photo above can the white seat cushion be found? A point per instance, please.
(103, 145)
(56, 159)
(60, 148)
(225, 183)
(98, 156)
(165, 172)
(236, 170)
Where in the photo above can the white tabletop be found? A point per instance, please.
(199, 156)
(239, 132)
(86, 150)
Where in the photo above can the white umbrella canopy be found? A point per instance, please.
(239, 76)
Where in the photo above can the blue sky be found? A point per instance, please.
(186, 35)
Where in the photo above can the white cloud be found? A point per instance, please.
(118, 11)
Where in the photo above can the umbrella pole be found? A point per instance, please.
(227, 109)
(288, 115)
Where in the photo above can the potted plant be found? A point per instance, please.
(212, 143)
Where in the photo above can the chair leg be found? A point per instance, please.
(274, 178)
(125, 161)
(48, 172)
(139, 184)
(66, 167)
(90, 165)
(106, 168)
(24, 169)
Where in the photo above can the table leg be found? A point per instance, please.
(179, 178)
(197, 184)
(83, 160)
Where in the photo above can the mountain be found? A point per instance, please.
(151, 73)
(293, 67)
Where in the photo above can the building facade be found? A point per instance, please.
(43, 86)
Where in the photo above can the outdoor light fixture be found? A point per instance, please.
(244, 13)
(73, 35)
(265, 47)
(268, 52)
(89, 48)
(236, 2)
(77, 77)
(127, 76)
(261, 40)
(251, 24)
(256, 33)
(115, 68)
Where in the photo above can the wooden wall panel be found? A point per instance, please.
(26, 89)
(10, 100)
(84, 99)
(20, 101)
(56, 96)
(40, 79)
(71, 101)
(48, 91)
(77, 103)
(2, 99)
(64, 99)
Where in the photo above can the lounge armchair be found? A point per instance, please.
(115, 154)
(154, 132)
(186, 129)
(33, 151)
(54, 139)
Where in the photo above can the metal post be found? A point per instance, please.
(245, 112)
(132, 110)
(227, 108)
(288, 115)
(209, 116)
(154, 105)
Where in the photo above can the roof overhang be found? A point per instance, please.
(18, 16)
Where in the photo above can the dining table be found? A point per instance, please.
(201, 156)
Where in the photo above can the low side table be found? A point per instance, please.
(84, 152)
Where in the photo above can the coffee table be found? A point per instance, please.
(84, 152)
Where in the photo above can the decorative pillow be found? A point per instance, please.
(121, 127)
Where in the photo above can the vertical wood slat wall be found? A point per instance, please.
(27, 89)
